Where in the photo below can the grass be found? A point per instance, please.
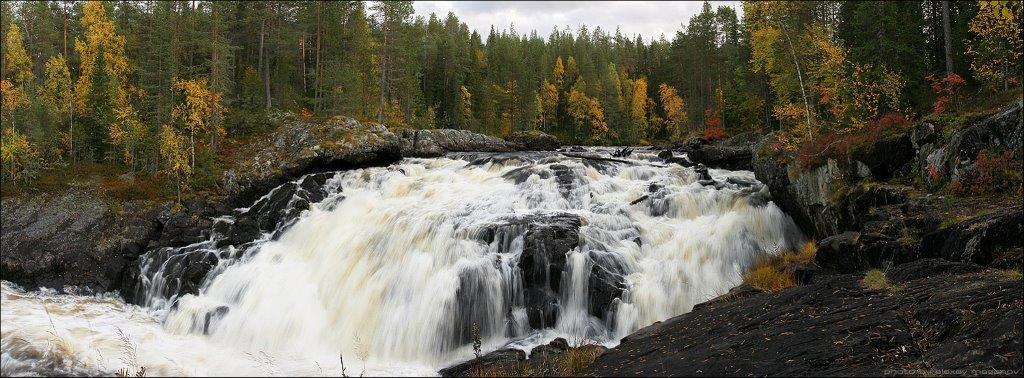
(772, 274)
(875, 279)
(1011, 274)
(578, 358)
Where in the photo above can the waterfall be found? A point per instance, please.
(402, 265)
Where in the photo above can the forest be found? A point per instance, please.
(165, 88)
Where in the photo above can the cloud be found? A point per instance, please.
(650, 19)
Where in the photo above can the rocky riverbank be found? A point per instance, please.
(74, 237)
(945, 292)
(949, 298)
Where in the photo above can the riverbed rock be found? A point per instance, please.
(534, 140)
(71, 238)
(306, 145)
(991, 239)
(958, 319)
(491, 364)
(434, 143)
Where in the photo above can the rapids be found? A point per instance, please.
(397, 268)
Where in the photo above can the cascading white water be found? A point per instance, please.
(390, 269)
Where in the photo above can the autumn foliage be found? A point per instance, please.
(949, 89)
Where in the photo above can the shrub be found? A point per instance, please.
(876, 280)
(949, 89)
(993, 173)
(715, 133)
(773, 275)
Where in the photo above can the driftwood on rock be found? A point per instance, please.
(624, 152)
(638, 200)
(590, 157)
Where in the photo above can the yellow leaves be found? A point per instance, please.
(16, 154)
(586, 111)
(14, 97)
(16, 59)
(559, 72)
(100, 36)
(174, 154)
(675, 112)
(548, 102)
(997, 49)
(638, 105)
(198, 106)
(465, 103)
(58, 90)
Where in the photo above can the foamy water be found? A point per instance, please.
(378, 272)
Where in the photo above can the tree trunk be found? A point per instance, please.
(214, 74)
(948, 38)
(317, 107)
(264, 60)
(383, 75)
(799, 75)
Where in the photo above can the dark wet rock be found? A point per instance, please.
(497, 362)
(551, 350)
(886, 156)
(545, 244)
(808, 196)
(924, 268)
(534, 140)
(623, 152)
(433, 143)
(723, 157)
(71, 238)
(169, 273)
(853, 251)
(301, 146)
(999, 132)
(835, 326)
(992, 239)
(212, 317)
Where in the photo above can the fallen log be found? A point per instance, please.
(599, 158)
(638, 200)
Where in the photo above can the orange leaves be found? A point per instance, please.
(713, 126)
(638, 105)
(675, 112)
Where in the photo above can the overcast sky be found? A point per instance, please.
(647, 18)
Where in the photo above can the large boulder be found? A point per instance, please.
(1000, 131)
(433, 143)
(534, 140)
(72, 238)
(991, 239)
(808, 196)
(305, 145)
(886, 156)
(936, 317)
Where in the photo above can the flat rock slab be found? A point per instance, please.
(956, 318)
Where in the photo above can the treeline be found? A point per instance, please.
(155, 86)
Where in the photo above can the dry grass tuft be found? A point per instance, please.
(578, 358)
(772, 274)
(876, 280)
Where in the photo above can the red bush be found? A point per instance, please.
(714, 133)
(992, 174)
(948, 88)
